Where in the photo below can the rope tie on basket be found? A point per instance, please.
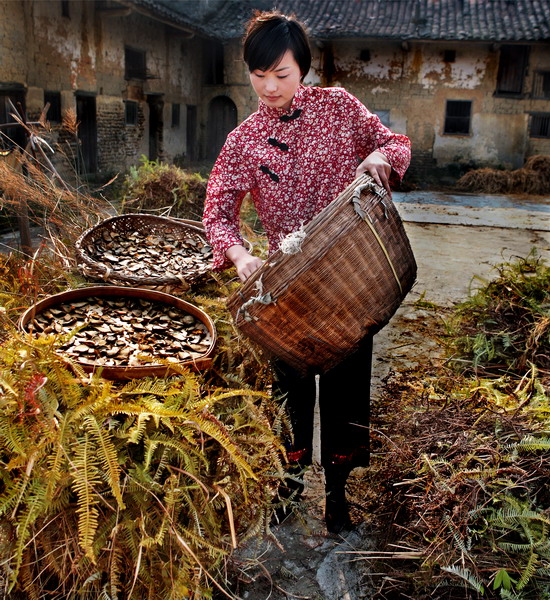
(292, 243)
(355, 200)
(260, 298)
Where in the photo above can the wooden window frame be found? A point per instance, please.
(452, 123)
(539, 125)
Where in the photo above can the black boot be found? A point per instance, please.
(337, 512)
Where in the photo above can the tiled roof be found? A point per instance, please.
(476, 20)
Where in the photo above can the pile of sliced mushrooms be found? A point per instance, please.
(151, 255)
(124, 331)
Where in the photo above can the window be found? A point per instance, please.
(134, 63)
(364, 55)
(541, 84)
(131, 112)
(384, 116)
(449, 56)
(213, 62)
(511, 70)
(540, 125)
(176, 114)
(54, 111)
(457, 117)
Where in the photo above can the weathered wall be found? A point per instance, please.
(413, 83)
(84, 53)
(13, 36)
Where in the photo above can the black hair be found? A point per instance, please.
(269, 35)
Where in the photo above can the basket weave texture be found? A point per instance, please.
(144, 223)
(122, 372)
(353, 269)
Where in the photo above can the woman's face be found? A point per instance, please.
(277, 86)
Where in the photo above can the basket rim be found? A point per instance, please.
(105, 273)
(125, 372)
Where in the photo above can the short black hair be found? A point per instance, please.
(269, 35)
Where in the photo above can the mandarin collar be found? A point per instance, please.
(277, 113)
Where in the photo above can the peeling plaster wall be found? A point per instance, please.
(408, 85)
(84, 53)
(413, 84)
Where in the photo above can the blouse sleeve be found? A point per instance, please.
(228, 184)
(372, 135)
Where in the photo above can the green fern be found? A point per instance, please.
(467, 576)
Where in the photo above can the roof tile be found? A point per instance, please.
(475, 20)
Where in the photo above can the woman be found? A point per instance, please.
(295, 155)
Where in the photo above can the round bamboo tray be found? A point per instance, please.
(115, 292)
(146, 224)
(340, 278)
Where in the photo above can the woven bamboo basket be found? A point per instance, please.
(124, 372)
(98, 270)
(341, 277)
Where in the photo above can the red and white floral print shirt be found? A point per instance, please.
(294, 163)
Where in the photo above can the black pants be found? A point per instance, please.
(344, 398)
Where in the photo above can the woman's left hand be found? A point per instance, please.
(378, 167)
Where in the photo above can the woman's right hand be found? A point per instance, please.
(244, 262)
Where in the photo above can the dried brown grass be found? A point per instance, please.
(533, 178)
(29, 186)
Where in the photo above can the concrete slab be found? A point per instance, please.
(509, 212)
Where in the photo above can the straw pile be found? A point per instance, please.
(532, 178)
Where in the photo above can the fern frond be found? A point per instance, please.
(115, 567)
(530, 443)
(28, 582)
(509, 516)
(511, 595)
(15, 491)
(136, 433)
(528, 571)
(219, 433)
(56, 461)
(178, 444)
(107, 455)
(86, 480)
(13, 438)
(467, 576)
(34, 507)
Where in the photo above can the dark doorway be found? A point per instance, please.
(191, 146)
(11, 136)
(222, 118)
(87, 133)
(156, 105)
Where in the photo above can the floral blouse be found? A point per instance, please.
(293, 163)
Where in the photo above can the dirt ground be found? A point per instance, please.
(456, 245)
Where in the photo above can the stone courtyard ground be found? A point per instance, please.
(457, 241)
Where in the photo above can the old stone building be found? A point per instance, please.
(467, 80)
(134, 78)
